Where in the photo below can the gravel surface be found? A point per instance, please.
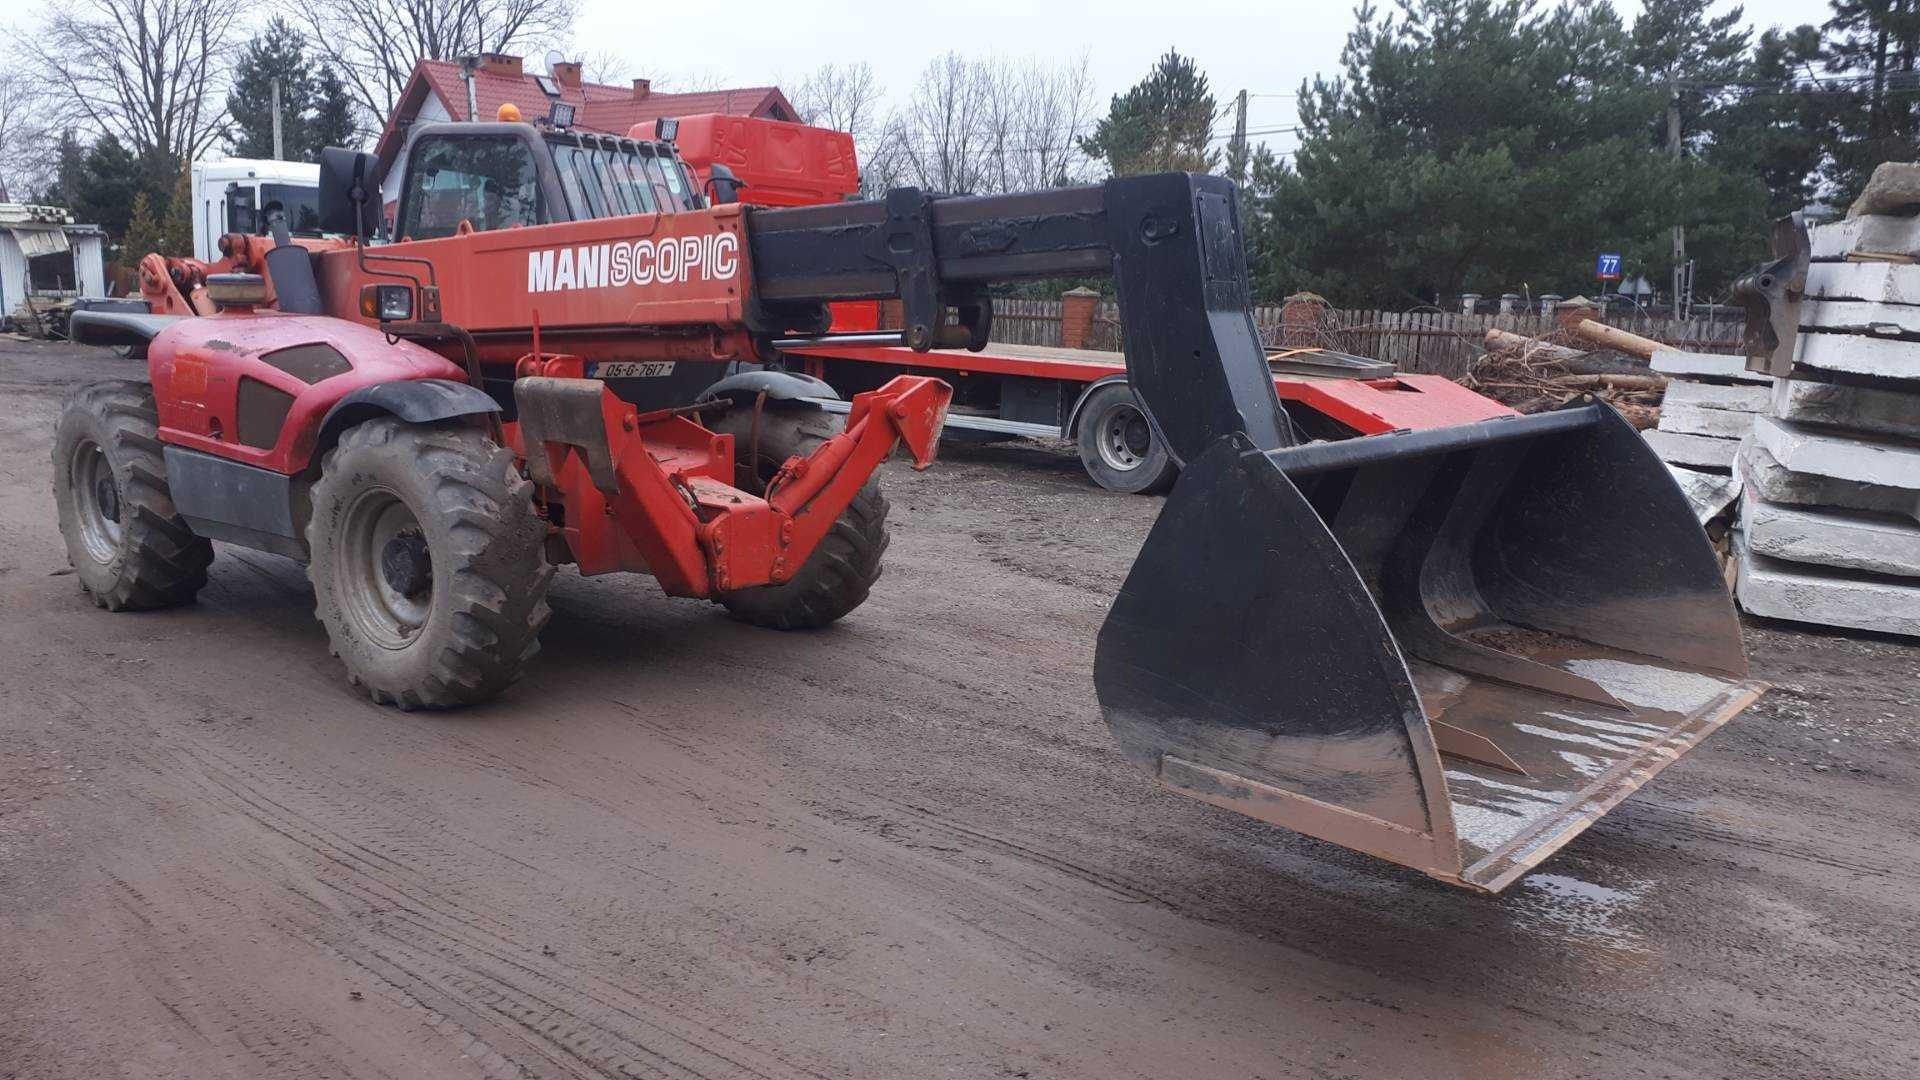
(900, 847)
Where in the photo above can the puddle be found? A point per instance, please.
(1567, 908)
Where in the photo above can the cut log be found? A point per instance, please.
(1612, 337)
(1499, 340)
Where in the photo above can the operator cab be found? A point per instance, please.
(509, 175)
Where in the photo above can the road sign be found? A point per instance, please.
(1607, 268)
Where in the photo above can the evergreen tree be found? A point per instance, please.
(276, 54)
(333, 120)
(143, 232)
(1164, 123)
(1496, 145)
(1776, 125)
(1873, 45)
(316, 110)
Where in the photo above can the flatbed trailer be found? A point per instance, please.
(1081, 395)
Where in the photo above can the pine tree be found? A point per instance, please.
(276, 54)
(1164, 123)
(333, 121)
(176, 227)
(143, 233)
(1875, 42)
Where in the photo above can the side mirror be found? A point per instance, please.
(722, 185)
(349, 192)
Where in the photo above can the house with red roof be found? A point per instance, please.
(439, 90)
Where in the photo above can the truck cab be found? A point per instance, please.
(234, 196)
(504, 175)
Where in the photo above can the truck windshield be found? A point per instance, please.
(615, 177)
(302, 205)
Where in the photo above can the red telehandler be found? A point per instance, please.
(1452, 648)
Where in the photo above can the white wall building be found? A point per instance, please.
(43, 253)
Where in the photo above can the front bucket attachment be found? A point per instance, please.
(1454, 649)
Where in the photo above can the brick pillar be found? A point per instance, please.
(1076, 316)
(1569, 312)
(1301, 316)
(892, 315)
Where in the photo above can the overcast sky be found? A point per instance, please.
(1238, 45)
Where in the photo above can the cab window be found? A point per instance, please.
(488, 181)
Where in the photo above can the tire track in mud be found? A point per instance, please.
(373, 867)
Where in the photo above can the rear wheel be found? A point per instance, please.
(842, 569)
(130, 549)
(1118, 446)
(428, 563)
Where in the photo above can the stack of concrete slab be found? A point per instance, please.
(1830, 516)
(1710, 405)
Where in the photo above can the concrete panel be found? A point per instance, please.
(1842, 539)
(1843, 457)
(1860, 317)
(1857, 408)
(1857, 354)
(1784, 590)
(1874, 282)
(1742, 398)
(1874, 234)
(1684, 419)
(1695, 451)
(1757, 469)
(1710, 494)
(1718, 366)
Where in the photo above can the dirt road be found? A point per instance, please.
(903, 847)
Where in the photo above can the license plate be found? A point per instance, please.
(633, 369)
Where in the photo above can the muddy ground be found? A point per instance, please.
(902, 847)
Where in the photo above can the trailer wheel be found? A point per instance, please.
(1118, 446)
(428, 565)
(838, 575)
(129, 547)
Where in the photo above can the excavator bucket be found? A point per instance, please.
(1454, 649)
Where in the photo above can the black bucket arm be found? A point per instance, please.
(1171, 241)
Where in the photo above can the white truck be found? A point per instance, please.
(234, 194)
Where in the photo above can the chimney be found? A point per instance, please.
(641, 88)
(567, 74)
(500, 64)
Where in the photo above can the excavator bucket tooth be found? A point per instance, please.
(1454, 649)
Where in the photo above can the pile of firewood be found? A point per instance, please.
(1536, 374)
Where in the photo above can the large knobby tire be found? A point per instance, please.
(428, 563)
(129, 547)
(1119, 448)
(838, 575)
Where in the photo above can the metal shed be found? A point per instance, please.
(45, 255)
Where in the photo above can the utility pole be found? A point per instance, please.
(1679, 229)
(279, 151)
(1237, 149)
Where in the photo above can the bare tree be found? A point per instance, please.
(845, 97)
(989, 125)
(375, 44)
(27, 156)
(609, 66)
(149, 72)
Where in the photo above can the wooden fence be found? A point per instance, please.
(1433, 342)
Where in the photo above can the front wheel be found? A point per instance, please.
(842, 569)
(428, 566)
(1118, 446)
(129, 547)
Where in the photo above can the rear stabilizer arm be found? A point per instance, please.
(654, 494)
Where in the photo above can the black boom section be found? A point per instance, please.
(1172, 242)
